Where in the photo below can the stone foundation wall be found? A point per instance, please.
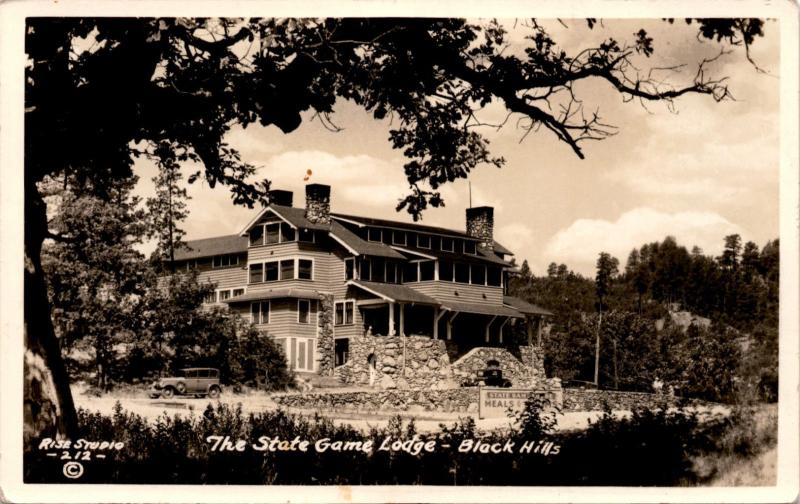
(413, 362)
(448, 401)
(525, 373)
(595, 400)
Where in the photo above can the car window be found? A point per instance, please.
(203, 373)
(190, 374)
(214, 373)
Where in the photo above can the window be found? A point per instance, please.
(469, 247)
(462, 272)
(478, 274)
(224, 294)
(303, 311)
(223, 261)
(493, 276)
(445, 271)
(447, 244)
(305, 268)
(398, 237)
(307, 235)
(410, 272)
(287, 232)
(378, 272)
(257, 236)
(190, 265)
(211, 297)
(343, 312)
(341, 350)
(273, 232)
(256, 273)
(287, 269)
(271, 271)
(259, 312)
(426, 270)
(391, 272)
(374, 235)
(424, 241)
(365, 267)
(238, 292)
(349, 268)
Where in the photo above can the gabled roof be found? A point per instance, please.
(407, 226)
(229, 244)
(524, 306)
(296, 217)
(358, 246)
(275, 294)
(394, 292)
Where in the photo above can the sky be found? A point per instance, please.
(699, 172)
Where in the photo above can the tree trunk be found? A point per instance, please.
(48, 404)
(616, 376)
(597, 347)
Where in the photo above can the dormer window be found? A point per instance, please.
(374, 235)
(469, 247)
(423, 241)
(257, 236)
(224, 261)
(447, 245)
(273, 233)
(398, 238)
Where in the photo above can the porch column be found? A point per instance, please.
(539, 321)
(450, 325)
(437, 314)
(391, 330)
(487, 328)
(402, 319)
(502, 326)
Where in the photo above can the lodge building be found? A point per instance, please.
(318, 281)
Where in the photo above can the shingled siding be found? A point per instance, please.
(467, 293)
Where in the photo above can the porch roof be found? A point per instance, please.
(481, 309)
(275, 294)
(358, 246)
(524, 306)
(394, 292)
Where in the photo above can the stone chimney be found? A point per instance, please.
(480, 225)
(280, 197)
(318, 203)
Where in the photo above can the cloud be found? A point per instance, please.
(517, 237)
(579, 244)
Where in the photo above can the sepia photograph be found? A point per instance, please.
(409, 253)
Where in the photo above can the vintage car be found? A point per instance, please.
(189, 381)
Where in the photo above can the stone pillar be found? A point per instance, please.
(325, 342)
(391, 330)
(480, 225)
(318, 203)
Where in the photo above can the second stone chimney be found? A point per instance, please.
(480, 225)
(318, 203)
(280, 197)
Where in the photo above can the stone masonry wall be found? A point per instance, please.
(325, 343)
(596, 400)
(525, 373)
(448, 401)
(423, 364)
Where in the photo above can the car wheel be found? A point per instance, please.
(167, 392)
(213, 392)
(180, 388)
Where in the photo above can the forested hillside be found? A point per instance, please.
(732, 358)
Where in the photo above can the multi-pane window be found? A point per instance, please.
(424, 241)
(257, 236)
(343, 312)
(287, 269)
(365, 267)
(256, 273)
(305, 269)
(349, 268)
(462, 272)
(303, 311)
(259, 312)
(398, 237)
(273, 232)
(224, 294)
(271, 271)
(211, 297)
(469, 247)
(224, 261)
(447, 245)
(478, 274)
(426, 270)
(287, 232)
(374, 235)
